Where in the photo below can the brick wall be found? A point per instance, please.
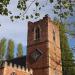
(1, 71)
(51, 52)
(9, 69)
(54, 49)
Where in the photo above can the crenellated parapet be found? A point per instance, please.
(17, 67)
(44, 19)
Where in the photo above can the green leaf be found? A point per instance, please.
(39, 8)
(18, 6)
(5, 2)
(63, 2)
(27, 17)
(5, 11)
(37, 14)
(66, 5)
(10, 12)
(71, 14)
(59, 1)
(57, 7)
(31, 16)
(17, 17)
(66, 14)
(51, 1)
(22, 5)
(37, 3)
(55, 12)
(11, 17)
(70, 8)
(61, 15)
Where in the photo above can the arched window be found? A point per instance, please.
(53, 35)
(13, 73)
(37, 33)
(56, 72)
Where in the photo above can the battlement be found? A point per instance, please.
(45, 18)
(17, 67)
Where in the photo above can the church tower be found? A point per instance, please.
(43, 48)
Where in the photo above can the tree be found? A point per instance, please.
(62, 8)
(67, 55)
(10, 50)
(2, 48)
(20, 50)
(21, 5)
(3, 7)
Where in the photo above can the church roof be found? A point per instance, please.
(18, 61)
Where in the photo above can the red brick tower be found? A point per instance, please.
(43, 50)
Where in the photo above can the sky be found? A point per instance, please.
(17, 30)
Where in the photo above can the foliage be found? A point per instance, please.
(3, 7)
(67, 55)
(22, 5)
(2, 47)
(10, 49)
(20, 50)
(62, 8)
(61, 5)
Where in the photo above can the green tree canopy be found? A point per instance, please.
(10, 50)
(67, 55)
(22, 5)
(2, 47)
(20, 50)
(66, 52)
(62, 8)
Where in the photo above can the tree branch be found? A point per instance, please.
(29, 7)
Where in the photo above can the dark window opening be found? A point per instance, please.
(54, 35)
(13, 73)
(37, 34)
